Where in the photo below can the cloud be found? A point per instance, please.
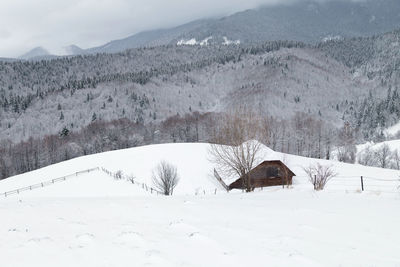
(53, 24)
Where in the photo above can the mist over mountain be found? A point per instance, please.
(37, 52)
(74, 50)
(306, 21)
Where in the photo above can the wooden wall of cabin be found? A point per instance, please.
(260, 177)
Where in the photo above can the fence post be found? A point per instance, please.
(315, 182)
(362, 183)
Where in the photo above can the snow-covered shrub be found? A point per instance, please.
(165, 178)
(319, 175)
(347, 153)
(131, 178)
(118, 175)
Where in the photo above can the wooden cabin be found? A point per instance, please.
(268, 173)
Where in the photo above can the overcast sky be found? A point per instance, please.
(54, 24)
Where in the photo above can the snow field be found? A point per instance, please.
(273, 228)
(95, 220)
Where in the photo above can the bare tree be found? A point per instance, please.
(165, 178)
(383, 155)
(3, 168)
(367, 157)
(396, 159)
(235, 150)
(346, 141)
(319, 175)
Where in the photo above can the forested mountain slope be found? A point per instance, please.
(150, 85)
(376, 58)
(312, 98)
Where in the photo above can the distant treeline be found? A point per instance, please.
(301, 135)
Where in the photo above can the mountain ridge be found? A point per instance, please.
(37, 52)
(307, 21)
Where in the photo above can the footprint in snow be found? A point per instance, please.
(77, 223)
(130, 238)
(183, 227)
(37, 240)
(152, 252)
(84, 239)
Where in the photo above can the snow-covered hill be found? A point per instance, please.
(393, 130)
(196, 171)
(94, 220)
(393, 145)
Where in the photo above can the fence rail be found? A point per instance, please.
(47, 183)
(116, 175)
(119, 175)
(363, 184)
(359, 183)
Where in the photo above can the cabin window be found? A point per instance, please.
(272, 171)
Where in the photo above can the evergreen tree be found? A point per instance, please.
(64, 132)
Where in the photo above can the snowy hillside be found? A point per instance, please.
(196, 171)
(95, 220)
(393, 145)
(393, 130)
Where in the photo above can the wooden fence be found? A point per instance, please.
(116, 175)
(362, 184)
(121, 176)
(47, 183)
(338, 183)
